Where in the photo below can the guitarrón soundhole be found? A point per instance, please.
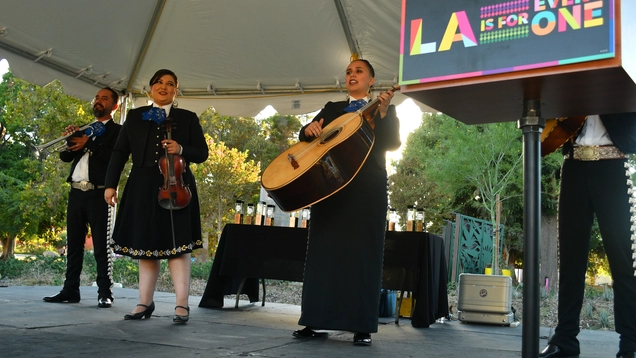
(331, 135)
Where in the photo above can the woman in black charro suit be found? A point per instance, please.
(343, 268)
(144, 229)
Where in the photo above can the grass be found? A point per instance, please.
(50, 271)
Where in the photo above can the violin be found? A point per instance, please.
(174, 194)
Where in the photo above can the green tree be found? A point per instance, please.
(282, 131)
(34, 191)
(225, 177)
(449, 167)
(263, 140)
(409, 186)
(243, 133)
(487, 157)
(445, 166)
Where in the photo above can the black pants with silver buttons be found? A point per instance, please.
(598, 188)
(87, 209)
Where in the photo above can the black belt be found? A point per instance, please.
(85, 185)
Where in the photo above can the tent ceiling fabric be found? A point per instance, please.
(238, 56)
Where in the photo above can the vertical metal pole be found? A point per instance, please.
(456, 242)
(531, 125)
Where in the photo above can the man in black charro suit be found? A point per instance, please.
(86, 206)
(596, 181)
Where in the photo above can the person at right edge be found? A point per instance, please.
(343, 267)
(596, 180)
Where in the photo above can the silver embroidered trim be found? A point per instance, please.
(631, 191)
(109, 244)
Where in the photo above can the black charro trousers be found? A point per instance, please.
(602, 188)
(87, 209)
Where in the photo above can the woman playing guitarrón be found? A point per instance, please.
(343, 268)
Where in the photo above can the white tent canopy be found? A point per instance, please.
(237, 56)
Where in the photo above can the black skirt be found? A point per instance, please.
(144, 230)
(343, 268)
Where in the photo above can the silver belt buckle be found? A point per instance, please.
(589, 153)
(85, 185)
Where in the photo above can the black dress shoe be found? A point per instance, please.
(629, 354)
(309, 333)
(105, 302)
(553, 351)
(143, 314)
(62, 298)
(362, 339)
(181, 319)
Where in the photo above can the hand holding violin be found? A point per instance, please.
(174, 193)
(171, 146)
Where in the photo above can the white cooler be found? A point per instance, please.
(485, 299)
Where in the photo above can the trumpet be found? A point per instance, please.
(60, 144)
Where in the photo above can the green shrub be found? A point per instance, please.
(592, 292)
(604, 319)
(201, 270)
(11, 268)
(51, 271)
(38, 266)
(126, 271)
(589, 310)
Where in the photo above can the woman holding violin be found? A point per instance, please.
(158, 217)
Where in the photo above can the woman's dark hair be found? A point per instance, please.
(371, 70)
(162, 73)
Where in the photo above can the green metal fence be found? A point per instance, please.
(469, 245)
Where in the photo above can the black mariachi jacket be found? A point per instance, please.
(99, 149)
(136, 138)
(387, 129)
(621, 128)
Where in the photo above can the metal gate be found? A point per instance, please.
(469, 245)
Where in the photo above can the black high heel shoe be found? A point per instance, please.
(181, 319)
(145, 313)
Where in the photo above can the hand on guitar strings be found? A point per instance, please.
(314, 129)
(385, 101)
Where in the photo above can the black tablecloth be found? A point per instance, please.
(413, 261)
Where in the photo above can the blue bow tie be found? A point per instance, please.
(355, 105)
(154, 114)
